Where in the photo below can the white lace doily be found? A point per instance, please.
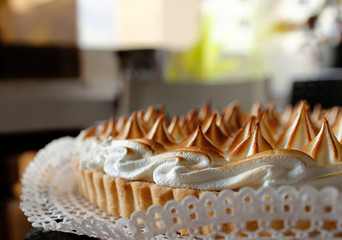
(51, 200)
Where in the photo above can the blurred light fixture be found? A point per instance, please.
(137, 24)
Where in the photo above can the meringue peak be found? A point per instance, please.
(102, 131)
(300, 132)
(285, 116)
(255, 143)
(175, 130)
(108, 129)
(337, 129)
(131, 129)
(213, 132)
(232, 117)
(204, 112)
(268, 129)
(120, 123)
(160, 134)
(184, 125)
(242, 134)
(317, 114)
(192, 119)
(198, 139)
(256, 109)
(272, 119)
(144, 126)
(333, 114)
(325, 148)
(150, 117)
(90, 132)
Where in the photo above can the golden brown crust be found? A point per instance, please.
(121, 197)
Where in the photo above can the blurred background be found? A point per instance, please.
(65, 64)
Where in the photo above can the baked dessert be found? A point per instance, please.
(133, 162)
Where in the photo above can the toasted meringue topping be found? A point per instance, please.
(322, 176)
(172, 155)
(132, 129)
(337, 129)
(160, 134)
(333, 114)
(317, 115)
(193, 120)
(271, 119)
(242, 134)
(120, 123)
(161, 109)
(254, 144)
(286, 115)
(204, 112)
(154, 146)
(266, 129)
(221, 125)
(325, 148)
(143, 125)
(150, 117)
(184, 125)
(108, 129)
(233, 118)
(257, 109)
(176, 132)
(205, 170)
(299, 133)
(213, 132)
(198, 139)
(90, 132)
(102, 131)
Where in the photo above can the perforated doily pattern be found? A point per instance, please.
(51, 201)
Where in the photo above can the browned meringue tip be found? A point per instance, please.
(325, 148)
(242, 134)
(90, 132)
(184, 125)
(192, 119)
(333, 114)
(204, 112)
(300, 108)
(270, 127)
(160, 134)
(198, 139)
(154, 146)
(206, 150)
(161, 109)
(150, 117)
(120, 123)
(272, 117)
(102, 131)
(175, 130)
(317, 114)
(143, 125)
(299, 132)
(285, 116)
(213, 132)
(131, 129)
(108, 129)
(256, 109)
(233, 118)
(337, 129)
(220, 124)
(255, 143)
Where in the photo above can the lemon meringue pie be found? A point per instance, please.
(128, 164)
